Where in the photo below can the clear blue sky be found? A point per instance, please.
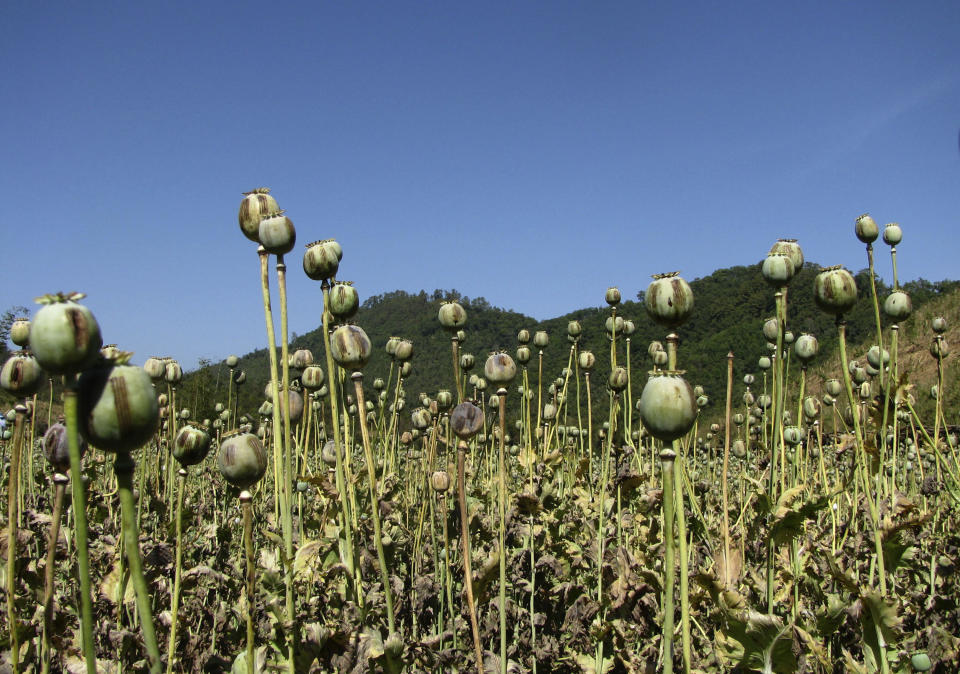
(532, 153)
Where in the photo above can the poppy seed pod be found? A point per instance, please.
(777, 269)
(523, 354)
(866, 228)
(421, 418)
(444, 399)
(118, 407)
(833, 387)
(792, 435)
(574, 329)
(452, 316)
(232, 361)
(660, 358)
(322, 259)
(898, 306)
(835, 290)
(343, 300)
(811, 407)
(748, 379)
(669, 300)
(764, 363)
(440, 481)
(191, 445)
(312, 377)
(500, 368)
(629, 327)
(892, 234)
(876, 359)
(791, 249)
(64, 335)
(404, 350)
(939, 325)
(242, 460)
(254, 206)
(612, 296)
(667, 406)
(541, 339)
(806, 348)
(523, 337)
(277, 234)
(586, 360)
(20, 331)
(466, 420)
(614, 325)
(239, 377)
(939, 348)
(618, 379)
(748, 398)
(391, 346)
(301, 359)
(56, 448)
(20, 375)
(155, 368)
(771, 329)
(350, 347)
(467, 361)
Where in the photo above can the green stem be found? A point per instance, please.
(667, 458)
(467, 566)
(175, 599)
(246, 503)
(60, 481)
(502, 481)
(13, 517)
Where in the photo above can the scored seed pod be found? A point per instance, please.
(500, 368)
(56, 449)
(866, 228)
(614, 325)
(792, 435)
(523, 354)
(939, 325)
(421, 418)
(467, 362)
(20, 331)
(574, 329)
(21, 375)
(629, 327)
(350, 347)
(117, 406)
(660, 358)
(669, 300)
(404, 350)
(440, 481)
(833, 387)
(876, 359)
(277, 233)
(777, 269)
(242, 459)
(939, 348)
(586, 360)
(321, 260)
(254, 206)
(791, 249)
(612, 296)
(301, 359)
(892, 234)
(154, 367)
(191, 445)
(312, 377)
(898, 306)
(64, 335)
(806, 348)
(452, 316)
(344, 300)
(466, 420)
(667, 406)
(523, 337)
(172, 372)
(618, 379)
(771, 329)
(541, 339)
(835, 290)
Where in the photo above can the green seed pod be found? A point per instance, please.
(866, 228)
(865, 391)
(939, 325)
(549, 412)
(702, 401)
(660, 358)
(669, 300)
(833, 387)
(344, 300)
(612, 296)
(20, 331)
(792, 435)
(391, 346)
(500, 368)
(748, 379)
(835, 290)
(452, 316)
(404, 350)
(294, 405)
(738, 419)
(21, 375)
(920, 662)
(698, 390)
(523, 354)
(64, 335)
(939, 348)
(788, 337)
(898, 306)
(254, 206)
(444, 400)
(312, 377)
(586, 360)
(934, 392)
(764, 401)
(172, 372)
(667, 406)
(614, 325)
(117, 407)
(466, 420)
(791, 249)
(541, 339)
(232, 361)
(277, 233)
(329, 453)
(321, 260)
(618, 379)
(242, 460)
(350, 347)
(405, 368)
(811, 407)
(155, 368)
(629, 327)
(574, 329)
(739, 449)
(859, 375)
(892, 234)
(777, 269)
(806, 348)
(875, 359)
(56, 449)
(523, 337)
(467, 362)
(764, 363)
(191, 445)
(301, 359)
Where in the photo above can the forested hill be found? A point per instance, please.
(730, 308)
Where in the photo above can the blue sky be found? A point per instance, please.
(531, 153)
